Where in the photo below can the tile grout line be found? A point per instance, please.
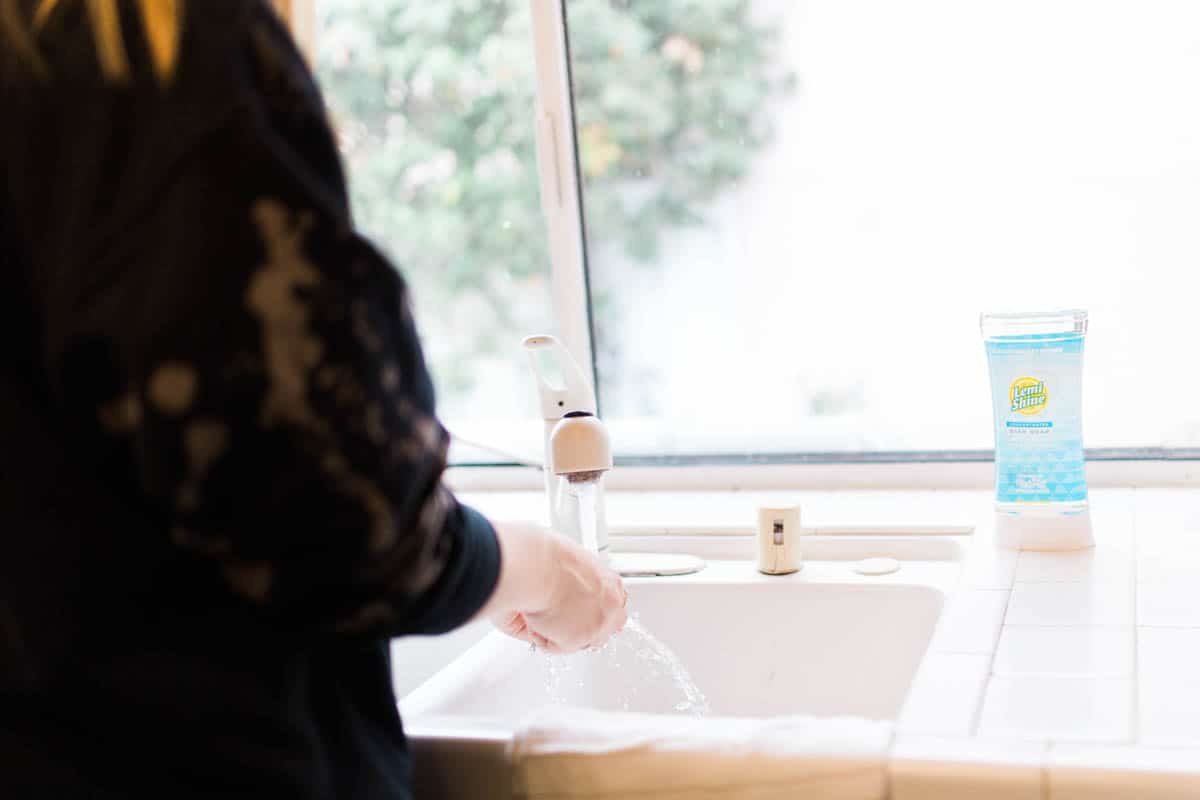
(1051, 745)
(1135, 732)
(977, 714)
(1084, 627)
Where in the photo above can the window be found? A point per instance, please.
(433, 104)
(794, 209)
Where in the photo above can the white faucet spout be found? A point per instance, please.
(577, 445)
(580, 452)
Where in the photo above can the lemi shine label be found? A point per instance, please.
(1039, 438)
(1027, 396)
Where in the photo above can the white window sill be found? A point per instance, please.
(977, 475)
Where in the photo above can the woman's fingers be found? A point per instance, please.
(516, 626)
(550, 647)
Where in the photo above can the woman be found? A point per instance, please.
(219, 461)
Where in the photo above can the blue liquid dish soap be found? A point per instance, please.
(1036, 365)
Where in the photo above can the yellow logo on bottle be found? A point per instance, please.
(1028, 396)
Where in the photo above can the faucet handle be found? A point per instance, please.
(576, 393)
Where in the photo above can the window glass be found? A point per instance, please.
(433, 106)
(796, 210)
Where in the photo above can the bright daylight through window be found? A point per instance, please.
(795, 209)
(433, 105)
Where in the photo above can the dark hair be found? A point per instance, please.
(162, 21)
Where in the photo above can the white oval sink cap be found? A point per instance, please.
(877, 566)
(645, 565)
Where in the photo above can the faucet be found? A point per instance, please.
(577, 447)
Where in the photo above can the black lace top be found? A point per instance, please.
(219, 462)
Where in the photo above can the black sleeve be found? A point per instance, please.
(228, 345)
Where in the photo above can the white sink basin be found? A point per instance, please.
(824, 641)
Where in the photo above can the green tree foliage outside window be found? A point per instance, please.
(433, 102)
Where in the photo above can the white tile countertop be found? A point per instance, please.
(1060, 675)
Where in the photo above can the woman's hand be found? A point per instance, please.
(554, 593)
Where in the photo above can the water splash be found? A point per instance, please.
(579, 673)
(694, 702)
(554, 679)
(639, 681)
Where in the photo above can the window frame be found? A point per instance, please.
(560, 183)
(561, 191)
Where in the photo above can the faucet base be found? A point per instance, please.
(648, 565)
